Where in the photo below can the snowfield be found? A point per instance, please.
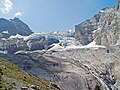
(66, 38)
(92, 45)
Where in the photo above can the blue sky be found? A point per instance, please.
(52, 15)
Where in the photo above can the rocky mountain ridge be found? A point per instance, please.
(13, 27)
(85, 32)
(103, 28)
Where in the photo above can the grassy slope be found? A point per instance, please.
(11, 71)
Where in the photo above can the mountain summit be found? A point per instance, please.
(13, 27)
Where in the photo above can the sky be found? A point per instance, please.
(52, 15)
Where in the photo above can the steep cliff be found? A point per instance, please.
(103, 28)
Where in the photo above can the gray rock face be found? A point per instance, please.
(117, 4)
(13, 27)
(109, 31)
(84, 32)
(16, 44)
(38, 45)
(103, 28)
(22, 45)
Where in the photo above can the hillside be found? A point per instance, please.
(14, 78)
(78, 69)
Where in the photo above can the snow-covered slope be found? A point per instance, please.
(57, 41)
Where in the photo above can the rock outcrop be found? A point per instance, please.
(83, 31)
(117, 4)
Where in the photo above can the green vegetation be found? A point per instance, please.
(97, 87)
(3, 84)
(14, 73)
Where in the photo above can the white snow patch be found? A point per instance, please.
(5, 32)
(92, 45)
(95, 30)
(102, 11)
(3, 52)
(26, 37)
(17, 36)
(56, 47)
(18, 52)
(73, 47)
(3, 38)
(33, 35)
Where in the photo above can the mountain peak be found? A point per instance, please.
(16, 18)
(14, 26)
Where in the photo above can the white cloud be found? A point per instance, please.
(8, 5)
(17, 14)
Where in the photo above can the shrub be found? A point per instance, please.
(97, 87)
